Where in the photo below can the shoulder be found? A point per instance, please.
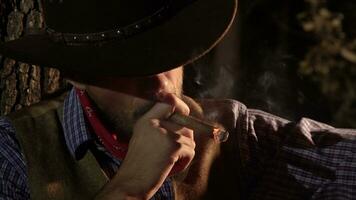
(13, 177)
(38, 109)
(239, 111)
(224, 104)
(223, 110)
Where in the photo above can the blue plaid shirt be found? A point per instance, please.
(280, 159)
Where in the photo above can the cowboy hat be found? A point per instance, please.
(123, 37)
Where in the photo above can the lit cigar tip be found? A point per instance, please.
(220, 134)
(215, 131)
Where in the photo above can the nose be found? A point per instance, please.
(158, 83)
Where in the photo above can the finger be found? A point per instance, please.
(179, 105)
(185, 157)
(181, 130)
(159, 111)
(170, 103)
(171, 126)
(181, 140)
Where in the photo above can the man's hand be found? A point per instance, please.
(156, 146)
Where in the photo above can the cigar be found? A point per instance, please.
(213, 130)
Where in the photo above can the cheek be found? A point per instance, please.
(114, 85)
(105, 99)
(113, 101)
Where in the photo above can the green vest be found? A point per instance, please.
(55, 175)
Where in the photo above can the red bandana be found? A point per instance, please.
(108, 138)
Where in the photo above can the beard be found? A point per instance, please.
(122, 121)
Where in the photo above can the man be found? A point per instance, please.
(112, 137)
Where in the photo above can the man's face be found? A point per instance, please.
(129, 98)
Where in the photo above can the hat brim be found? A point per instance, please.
(182, 39)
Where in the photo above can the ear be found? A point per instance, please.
(78, 85)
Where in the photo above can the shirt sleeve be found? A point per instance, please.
(298, 160)
(13, 177)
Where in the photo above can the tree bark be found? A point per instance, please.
(23, 84)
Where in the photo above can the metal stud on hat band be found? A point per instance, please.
(77, 39)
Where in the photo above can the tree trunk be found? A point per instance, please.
(23, 84)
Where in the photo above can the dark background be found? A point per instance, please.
(280, 67)
(286, 57)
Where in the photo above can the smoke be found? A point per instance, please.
(215, 74)
(273, 89)
(222, 82)
(268, 81)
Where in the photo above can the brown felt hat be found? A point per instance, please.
(123, 37)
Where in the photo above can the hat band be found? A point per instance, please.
(97, 38)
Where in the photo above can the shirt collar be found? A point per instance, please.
(76, 131)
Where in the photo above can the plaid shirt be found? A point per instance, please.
(281, 159)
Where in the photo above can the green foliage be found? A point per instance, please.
(331, 62)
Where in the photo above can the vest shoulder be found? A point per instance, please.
(223, 105)
(38, 109)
